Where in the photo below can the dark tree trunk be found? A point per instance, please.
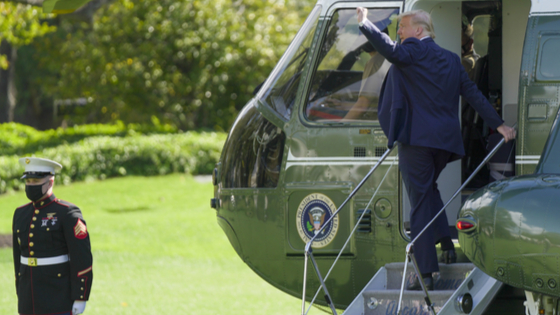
(8, 92)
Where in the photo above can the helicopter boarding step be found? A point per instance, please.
(458, 288)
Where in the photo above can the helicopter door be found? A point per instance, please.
(337, 139)
(539, 95)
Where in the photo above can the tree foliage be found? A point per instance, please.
(191, 63)
(20, 24)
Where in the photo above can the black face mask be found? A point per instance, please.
(34, 192)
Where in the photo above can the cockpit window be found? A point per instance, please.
(279, 91)
(348, 79)
(253, 152)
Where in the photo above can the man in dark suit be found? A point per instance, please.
(419, 108)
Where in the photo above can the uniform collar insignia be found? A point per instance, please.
(44, 202)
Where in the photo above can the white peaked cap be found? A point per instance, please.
(38, 168)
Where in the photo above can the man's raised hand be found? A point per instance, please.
(362, 14)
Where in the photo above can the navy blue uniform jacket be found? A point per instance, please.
(419, 101)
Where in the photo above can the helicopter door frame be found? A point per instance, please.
(369, 4)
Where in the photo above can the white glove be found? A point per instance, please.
(78, 307)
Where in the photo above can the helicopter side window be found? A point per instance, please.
(547, 65)
(347, 82)
(253, 153)
(280, 89)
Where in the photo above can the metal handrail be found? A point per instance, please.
(409, 248)
(308, 246)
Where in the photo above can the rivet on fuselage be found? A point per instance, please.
(551, 283)
(539, 282)
(501, 271)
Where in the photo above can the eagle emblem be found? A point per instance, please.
(317, 216)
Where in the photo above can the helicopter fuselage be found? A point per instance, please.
(294, 153)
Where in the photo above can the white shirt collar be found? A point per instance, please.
(424, 37)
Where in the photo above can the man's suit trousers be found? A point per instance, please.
(420, 168)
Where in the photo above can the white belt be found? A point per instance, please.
(33, 262)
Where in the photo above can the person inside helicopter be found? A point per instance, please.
(372, 66)
(346, 84)
(468, 56)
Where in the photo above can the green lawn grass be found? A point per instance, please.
(157, 250)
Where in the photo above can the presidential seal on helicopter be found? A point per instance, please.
(313, 211)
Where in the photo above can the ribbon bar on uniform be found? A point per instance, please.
(34, 262)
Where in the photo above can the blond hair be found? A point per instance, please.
(420, 18)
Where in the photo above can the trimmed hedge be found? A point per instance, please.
(103, 157)
(21, 139)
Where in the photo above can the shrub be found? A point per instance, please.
(21, 139)
(103, 157)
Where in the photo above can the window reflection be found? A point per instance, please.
(348, 79)
(279, 91)
(253, 152)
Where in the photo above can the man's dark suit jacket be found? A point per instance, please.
(419, 101)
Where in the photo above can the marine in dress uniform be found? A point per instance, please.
(52, 252)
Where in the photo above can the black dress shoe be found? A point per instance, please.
(415, 286)
(448, 256)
